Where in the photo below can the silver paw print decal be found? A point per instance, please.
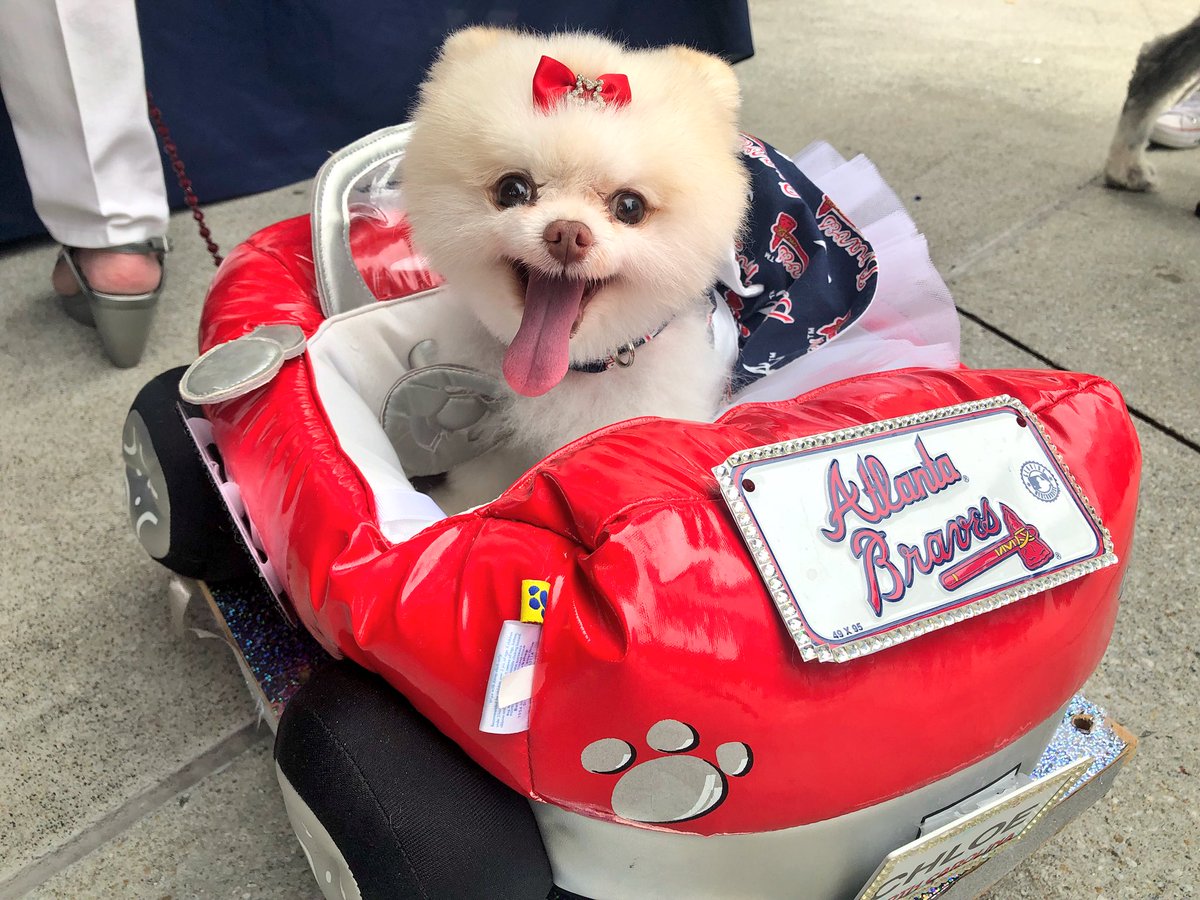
(671, 788)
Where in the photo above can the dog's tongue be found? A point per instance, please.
(538, 357)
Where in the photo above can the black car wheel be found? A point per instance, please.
(174, 507)
(388, 808)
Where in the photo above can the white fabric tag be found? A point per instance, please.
(516, 650)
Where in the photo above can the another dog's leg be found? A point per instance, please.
(1164, 68)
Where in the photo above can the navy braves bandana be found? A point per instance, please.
(816, 271)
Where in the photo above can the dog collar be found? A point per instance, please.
(622, 358)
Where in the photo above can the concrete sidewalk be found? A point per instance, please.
(130, 762)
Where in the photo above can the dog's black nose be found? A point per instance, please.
(568, 242)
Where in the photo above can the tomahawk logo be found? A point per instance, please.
(1021, 540)
(786, 246)
(737, 306)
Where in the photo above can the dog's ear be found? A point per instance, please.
(467, 42)
(716, 75)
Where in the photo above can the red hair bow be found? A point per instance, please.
(553, 81)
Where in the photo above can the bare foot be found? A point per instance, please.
(109, 272)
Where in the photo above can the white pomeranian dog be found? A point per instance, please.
(579, 198)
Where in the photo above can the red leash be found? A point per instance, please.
(185, 183)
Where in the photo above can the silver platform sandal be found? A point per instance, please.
(123, 320)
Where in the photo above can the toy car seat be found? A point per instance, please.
(680, 740)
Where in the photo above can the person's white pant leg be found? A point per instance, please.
(72, 78)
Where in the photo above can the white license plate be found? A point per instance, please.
(942, 856)
(874, 535)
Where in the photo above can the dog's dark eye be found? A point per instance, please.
(514, 190)
(628, 207)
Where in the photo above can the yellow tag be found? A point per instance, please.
(534, 597)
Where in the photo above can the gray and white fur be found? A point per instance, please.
(1165, 67)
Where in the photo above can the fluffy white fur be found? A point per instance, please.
(675, 144)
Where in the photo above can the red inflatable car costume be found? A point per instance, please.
(661, 636)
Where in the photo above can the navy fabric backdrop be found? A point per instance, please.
(257, 94)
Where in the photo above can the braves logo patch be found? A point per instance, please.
(785, 246)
